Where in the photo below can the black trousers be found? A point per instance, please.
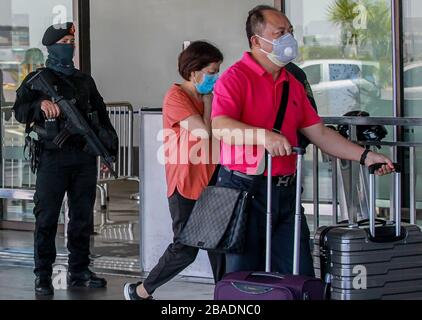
(178, 256)
(283, 221)
(60, 171)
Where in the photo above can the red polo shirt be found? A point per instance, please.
(246, 92)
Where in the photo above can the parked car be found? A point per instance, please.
(340, 86)
(412, 81)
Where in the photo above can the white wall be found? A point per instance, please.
(135, 44)
(156, 225)
(134, 49)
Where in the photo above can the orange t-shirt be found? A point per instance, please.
(188, 160)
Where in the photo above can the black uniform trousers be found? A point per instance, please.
(61, 171)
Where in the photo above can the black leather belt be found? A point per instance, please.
(279, 181)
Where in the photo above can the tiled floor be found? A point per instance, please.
(16, 283)
(116, 238)
(113, 239)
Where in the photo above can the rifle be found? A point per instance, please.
(75, 123)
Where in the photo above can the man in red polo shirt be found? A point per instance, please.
(247, 99)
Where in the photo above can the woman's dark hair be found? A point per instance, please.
(196, 57)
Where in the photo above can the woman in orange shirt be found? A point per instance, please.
(187, 117)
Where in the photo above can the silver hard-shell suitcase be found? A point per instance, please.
(371, 260)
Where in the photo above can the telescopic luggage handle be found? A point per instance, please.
(372, 197)
(298, 213)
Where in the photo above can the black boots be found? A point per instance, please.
(43, 286)
(85, 279)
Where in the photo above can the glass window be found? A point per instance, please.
(314, 74)
(413, 77)
(370, 74)
(22, 25)
(412, 42)
(351, 41)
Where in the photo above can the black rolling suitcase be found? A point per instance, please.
(371, 260)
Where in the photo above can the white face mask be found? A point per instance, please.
(285, 50)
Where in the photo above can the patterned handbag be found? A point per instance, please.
(218, 221)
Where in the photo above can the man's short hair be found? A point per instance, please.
(256, 21)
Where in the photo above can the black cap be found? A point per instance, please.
(55, 32)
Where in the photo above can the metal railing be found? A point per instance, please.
(121, 117)
(354, 122)
(117, 232)
(16, 172)
(17, 179)
(13, 136)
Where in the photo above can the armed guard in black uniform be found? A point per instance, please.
(64, 167)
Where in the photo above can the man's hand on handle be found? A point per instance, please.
(374, 158)
(277, 144)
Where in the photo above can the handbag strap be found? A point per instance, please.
(276, 128)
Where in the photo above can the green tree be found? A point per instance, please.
(341, 13)
(373, 40)
(377, 37)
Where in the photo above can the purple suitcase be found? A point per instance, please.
(267, 285)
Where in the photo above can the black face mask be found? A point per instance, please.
(60, 58)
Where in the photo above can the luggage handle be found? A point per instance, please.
(299, 151)
(267, 274)
(361, 222)
(372, 197)
(298, 211)
(375, 167)
(367, 221)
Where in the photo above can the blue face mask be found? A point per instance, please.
(206, 86)
(285, 50)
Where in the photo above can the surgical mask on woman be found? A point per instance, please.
(206, 86)
(285, 50)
